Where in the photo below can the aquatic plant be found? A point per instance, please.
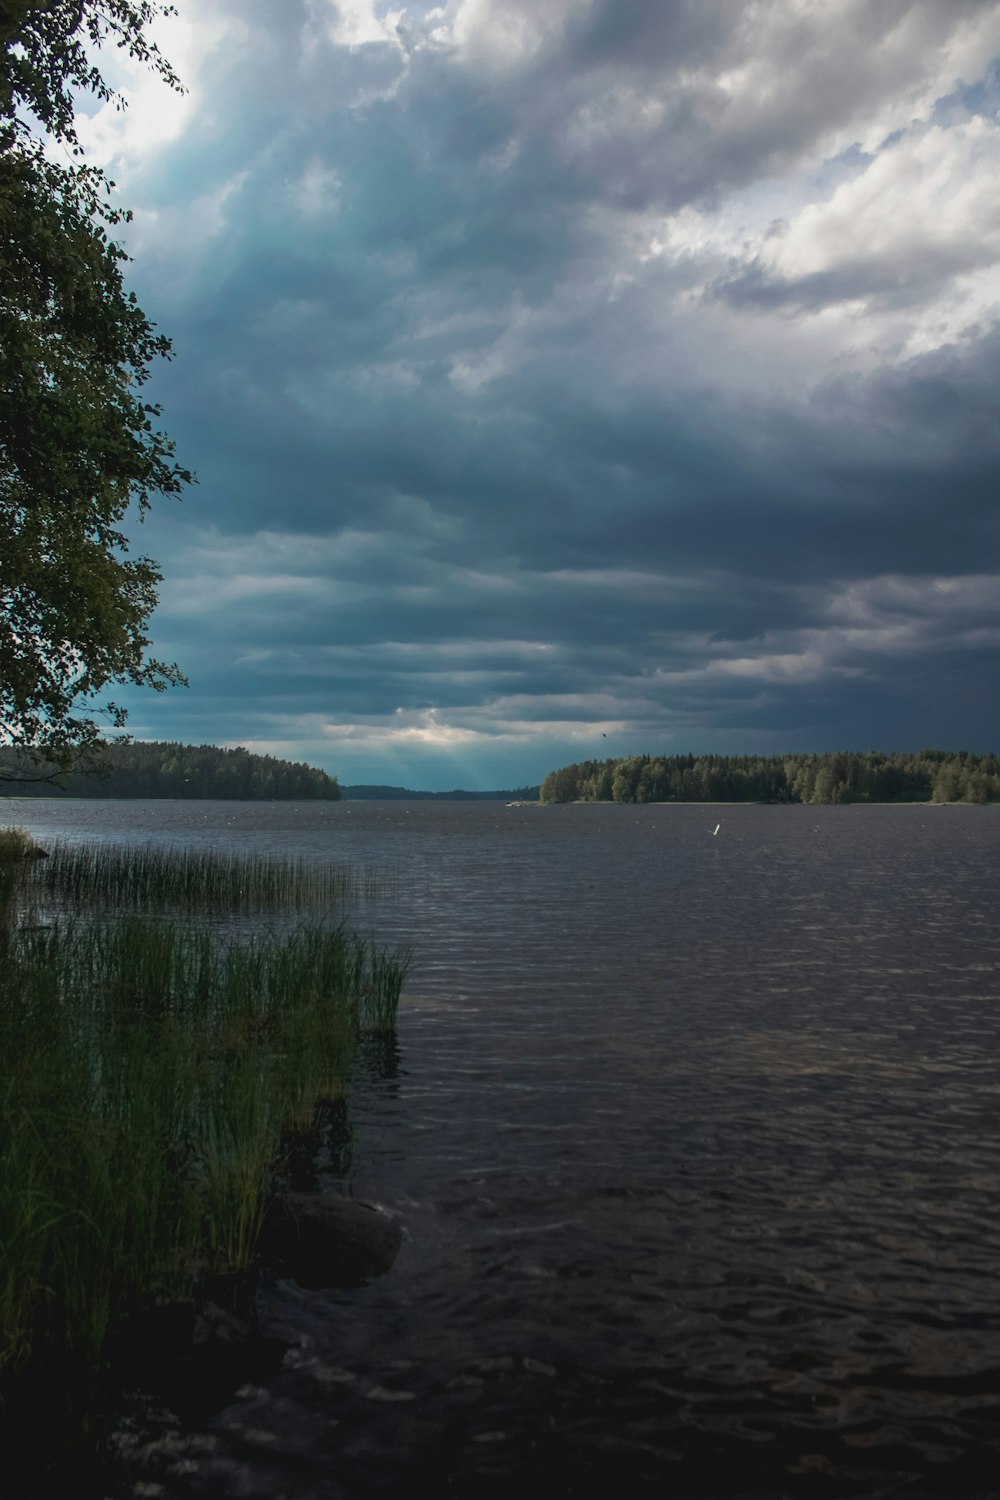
(15, 844)
(158, 877)
(151, 1070)
(381, 989)
(17, 850)
(147, 1073)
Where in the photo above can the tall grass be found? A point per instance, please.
(17, 852)
(150, 1073)
(155, 877)
(381, 987)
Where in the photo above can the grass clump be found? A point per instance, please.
(18, 854)
(381, 987)
(151, 1071)
(156, 877)
(15, 845)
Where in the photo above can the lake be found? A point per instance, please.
(696, 1141)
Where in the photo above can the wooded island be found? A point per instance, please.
(846, 776)
(164, 769)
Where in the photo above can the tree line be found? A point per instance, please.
(844, 776)
(163, 769)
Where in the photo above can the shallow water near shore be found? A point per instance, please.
(697, 1145)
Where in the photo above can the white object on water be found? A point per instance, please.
(716, 829)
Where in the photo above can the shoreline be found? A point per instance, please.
(218, 1049)
(587, 802)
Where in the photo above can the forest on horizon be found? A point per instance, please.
(837, 777)
(157, 768)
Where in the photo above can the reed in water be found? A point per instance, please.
(151, 1070)
(158, 877)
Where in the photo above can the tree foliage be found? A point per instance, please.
(845, 776)
(79, 446)
(164, 769)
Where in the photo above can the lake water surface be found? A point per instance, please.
(697, 1145)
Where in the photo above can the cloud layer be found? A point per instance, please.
(604, 368)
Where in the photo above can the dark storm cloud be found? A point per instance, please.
(676, 479)
(643, 102)
(594, 368)
(888, 283)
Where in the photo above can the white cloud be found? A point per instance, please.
(852, 71)
(899, 259)
(503, 35)
(353, 23)
(124, 140)
(926, 208)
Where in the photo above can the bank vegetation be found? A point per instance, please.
(844, 776)
(170, 1024)
(155, 768)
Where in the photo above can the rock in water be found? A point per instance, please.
(324, 1240)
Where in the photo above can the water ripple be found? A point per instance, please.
(697, 1143)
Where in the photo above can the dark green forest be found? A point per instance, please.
(846, 776)
(159, 769)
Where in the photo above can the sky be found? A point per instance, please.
(571, 378)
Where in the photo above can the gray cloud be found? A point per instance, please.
(518, 418)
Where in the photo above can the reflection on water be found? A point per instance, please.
(697, 1144)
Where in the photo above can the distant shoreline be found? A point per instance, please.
(496, 797)
(834, 778)
(446, 797)
(750, 802)
(348, 794)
